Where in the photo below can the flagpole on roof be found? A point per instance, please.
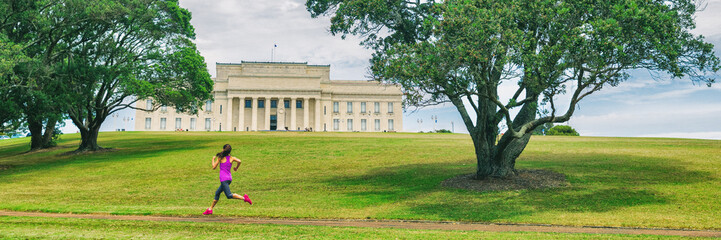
(272, 52)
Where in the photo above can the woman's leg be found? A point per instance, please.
(230, 195)
(217, 196)
(226, 188)
(213, 205)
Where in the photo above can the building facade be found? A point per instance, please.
(257, 96)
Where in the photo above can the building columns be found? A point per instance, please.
(306, 122)
(229, 113)
(280, 117)
(292, 113)
(281, 123)
(317, 114)
(254, 115)
(241, 114)
(266, 124)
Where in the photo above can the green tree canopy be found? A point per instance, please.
(32, 30)
(89, 59)
(142, 49)
(460, 51)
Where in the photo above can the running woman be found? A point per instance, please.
(226, 162)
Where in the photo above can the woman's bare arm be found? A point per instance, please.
(214, 162)
(234, 159)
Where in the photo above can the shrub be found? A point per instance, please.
(562, 130)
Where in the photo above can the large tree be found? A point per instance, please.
(460, 51)
(141, 49)
(89, 59)
(31, 33)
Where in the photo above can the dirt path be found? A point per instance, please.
(429, 225)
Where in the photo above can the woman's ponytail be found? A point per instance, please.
(225, 152)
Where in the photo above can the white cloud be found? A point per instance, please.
(708, 21)
(234, 31)
(649, 120)
(675, 93)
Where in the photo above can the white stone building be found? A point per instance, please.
(256, 96)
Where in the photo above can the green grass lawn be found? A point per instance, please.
(67, 228)
(628, 182)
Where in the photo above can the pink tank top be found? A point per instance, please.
(225, 169)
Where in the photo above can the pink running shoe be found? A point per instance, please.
(208, 212)
(247, 199)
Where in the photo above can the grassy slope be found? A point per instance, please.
(31, 227)
(615, 181)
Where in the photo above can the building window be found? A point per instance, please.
(248, 103)
(377, 107)
(261, 103)
(286, 103)
(363, 124)
(221, 109)
(350, 107)
(390, 107)
(298, 103)
(207, 124)
(336, 107)
(192, 123)
(350, 125)
(147, 123)
(149, 104)
(390, 124)
(164, 108)
(363, 107)
(377, 124)
(162, 123)
(336, 124)
(273, 103)
(208, 106)
(324, 108)
(177, 123)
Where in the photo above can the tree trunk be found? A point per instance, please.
(49, 133)
(38, 139)
(484, 155)
(36, 134)
(508, 149)
(485, 139)
(505, 160)
(89, 140)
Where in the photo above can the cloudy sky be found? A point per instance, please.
(245, 30)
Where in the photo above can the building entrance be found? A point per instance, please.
(273, 122)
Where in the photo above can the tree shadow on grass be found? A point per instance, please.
(385, 185)
(599, 183)
(14, 149)
(135, 151)
(492, 208)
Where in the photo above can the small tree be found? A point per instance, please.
(562, 130)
